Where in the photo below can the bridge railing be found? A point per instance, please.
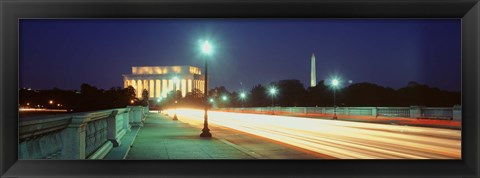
(445, 113)
(88, 135)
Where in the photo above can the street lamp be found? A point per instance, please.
(175, 81)
(335, 83)
(242, 97)
(273, 92)
(207, 49)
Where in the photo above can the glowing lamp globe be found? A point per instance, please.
(206, 48)
(273, 91)
(335, 82)
(242, 95)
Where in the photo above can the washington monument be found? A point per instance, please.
(313, 75)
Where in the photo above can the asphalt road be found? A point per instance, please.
(340, 139)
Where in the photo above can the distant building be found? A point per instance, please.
(313, 72)
(159, 80)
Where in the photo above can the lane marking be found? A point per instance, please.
(248, 152)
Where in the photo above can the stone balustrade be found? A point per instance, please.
(88, 135)
(137, 115)
(445, 113)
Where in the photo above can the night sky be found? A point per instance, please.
(388, 52)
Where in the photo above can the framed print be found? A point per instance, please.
(220, 88)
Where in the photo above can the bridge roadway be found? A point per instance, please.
(337, 139)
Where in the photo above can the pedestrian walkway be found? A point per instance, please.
(162, 138)
(126, 142)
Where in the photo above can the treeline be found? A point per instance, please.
(89, 98)
(292, 93)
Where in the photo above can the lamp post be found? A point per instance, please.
(242, 97)
(273, 92)
(207, 50)
(334, 83)
(175, 81)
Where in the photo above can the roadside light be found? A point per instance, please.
(273, 91)
(335, 82)
(206, 48)
(224, 98)
(211, 100)
(51, 101)
(131, 101)
(243, 95)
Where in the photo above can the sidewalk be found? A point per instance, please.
(162, 138)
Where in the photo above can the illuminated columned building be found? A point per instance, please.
(159, 80)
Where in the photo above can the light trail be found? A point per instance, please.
(41, 110)
(340, 139)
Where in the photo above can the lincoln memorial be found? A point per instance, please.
(159, 80)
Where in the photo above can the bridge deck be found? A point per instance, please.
(163, 138)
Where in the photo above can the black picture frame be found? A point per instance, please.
(467, 10)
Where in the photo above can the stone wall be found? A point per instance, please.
(445, 113)
(88, 135)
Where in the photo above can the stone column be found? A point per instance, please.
(158, 87)
(134, 85)
(126, 120)
(74, 139)
(151, 88)
(189, 85)
(139, 88)
(457, 112)
(146, 87)
(195, 85)
(416, 111)
(112, 129)
(136, 115)
(164, 88)
(184, 87)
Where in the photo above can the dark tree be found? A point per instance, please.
(217, 93)
(258, 97)
(291, 93)
(320, 95)
(367, 94)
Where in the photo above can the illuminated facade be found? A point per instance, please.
(159, 80)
